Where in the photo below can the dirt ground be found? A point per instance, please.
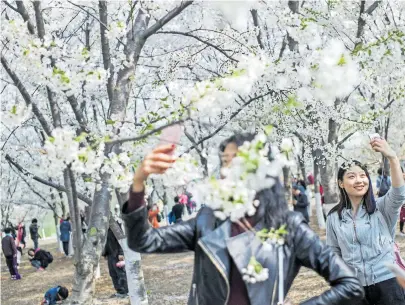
(167, 278)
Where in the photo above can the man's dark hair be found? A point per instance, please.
(176, 199)
(7, 230)
(67, 218)
(34, 220)
(63, 292)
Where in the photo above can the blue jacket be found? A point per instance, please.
(65, 229)
(51, 296)
(366, 242)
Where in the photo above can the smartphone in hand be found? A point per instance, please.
(171, 135)
(374, 136)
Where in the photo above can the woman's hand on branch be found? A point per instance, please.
(381, 145)
(156, 162)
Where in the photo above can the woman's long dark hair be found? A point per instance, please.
(273, 205)
(344, 202)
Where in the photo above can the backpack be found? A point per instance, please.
(384, 186)
(172, 218)
(49, 257)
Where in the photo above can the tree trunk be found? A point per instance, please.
(302, 164)
(318, 201)
(135, 279)
(85, 272)
(328, 179)
(287, 186)
(55, 218)
(136, 282)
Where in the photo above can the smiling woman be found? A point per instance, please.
(361, 229)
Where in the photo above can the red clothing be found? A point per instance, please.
(152, 215)
(311, 179)
(238, 292)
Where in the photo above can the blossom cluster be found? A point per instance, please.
(255, 168)
(254, 272)
(183, 171)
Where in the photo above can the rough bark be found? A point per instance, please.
(318, 202)
(26, 96)
(26, 17)
(136, 282)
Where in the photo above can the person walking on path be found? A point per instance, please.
(10, 253)
(154, 216)
(223, 248)
(34, 232)
(65, 229)
(177, 210)
(115, 257)
(301, 202)
(361, 229)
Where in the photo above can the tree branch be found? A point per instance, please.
(26, 17)
(27, 97)
(345, 138)
(39, 19)
(256, 24)
(372, 7)
(169, 16)
(231, 117)
(144, 136)
(10, 6)
(43, 181)
(199, 39)
(78, 113)
(105, 48)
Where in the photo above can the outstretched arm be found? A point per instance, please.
(390, 204)
(142, 237)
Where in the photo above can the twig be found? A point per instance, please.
(144, 136)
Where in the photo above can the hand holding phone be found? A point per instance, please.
(171, 135)
(374, 136)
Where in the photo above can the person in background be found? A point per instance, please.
(65, 229)
(34, 232)
(383, 183)
(54, 295)
(402, 212)
(40, 259)
(177, 210)
(21, 234)
(154, 216)
(10, 253)
(115, 257)
(301, 203)
(311, 179)
(83, 222)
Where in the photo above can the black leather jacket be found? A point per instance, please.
(210, 240)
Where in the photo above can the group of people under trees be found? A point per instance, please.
(181, 203)
(360, 241)
(13, 244)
